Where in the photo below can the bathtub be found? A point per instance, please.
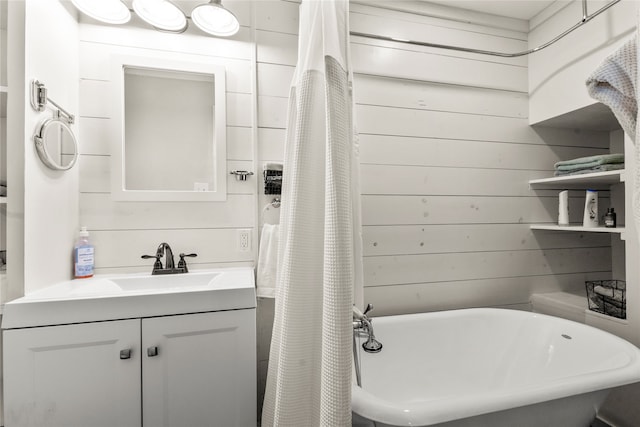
(489, 367)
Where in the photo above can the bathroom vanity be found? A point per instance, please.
(133, 350)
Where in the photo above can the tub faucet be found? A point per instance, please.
(362, 323)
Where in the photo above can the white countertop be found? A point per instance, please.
(125, 296)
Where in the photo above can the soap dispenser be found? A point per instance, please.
(83, 256)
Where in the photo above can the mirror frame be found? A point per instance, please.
(118, 191)
(39, 139)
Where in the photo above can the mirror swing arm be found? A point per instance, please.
(39, 101)
(61, 118)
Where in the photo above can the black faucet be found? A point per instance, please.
(164, 250)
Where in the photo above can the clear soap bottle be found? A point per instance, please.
(83, 256)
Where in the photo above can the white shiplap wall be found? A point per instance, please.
(446, 153)
(276, 28)
(122, 231)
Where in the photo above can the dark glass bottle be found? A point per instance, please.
(610, 218)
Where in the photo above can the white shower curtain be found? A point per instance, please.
(309, 377)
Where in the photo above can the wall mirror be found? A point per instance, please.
(169, 127)
(56, 145)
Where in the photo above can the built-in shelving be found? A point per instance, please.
(595, 180)
(568, 304)
(577, 227)
(581, 181)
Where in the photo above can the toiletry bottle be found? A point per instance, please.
(590, 218)
(563, 208)
(83, 256)
(610, 218)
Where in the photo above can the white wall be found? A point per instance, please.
(446, 147)
(43, 209)
(123, 231)
(3, 122)
(558, 73)
(276, 24)
(446, 155)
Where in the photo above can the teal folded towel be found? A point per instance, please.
(589, 162)
(599, 168)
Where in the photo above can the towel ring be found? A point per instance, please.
(56, 144)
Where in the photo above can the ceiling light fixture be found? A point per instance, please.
(161, 14)
(164, 15)
(108, 11)
(214, 19)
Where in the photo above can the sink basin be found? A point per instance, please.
(167, 283)
(123, 296)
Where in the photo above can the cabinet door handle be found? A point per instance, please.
(125, 354)
(152, 351)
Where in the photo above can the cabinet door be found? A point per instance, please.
(199, 370)
(73, 375)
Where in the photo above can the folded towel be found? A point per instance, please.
(267, 261)
(599, 168)
(590, 161)
(614, 294)
(614, 84)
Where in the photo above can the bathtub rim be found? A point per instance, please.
(451, 408)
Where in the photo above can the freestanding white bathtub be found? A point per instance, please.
(489, 367)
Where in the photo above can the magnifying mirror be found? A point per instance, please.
(56, 144)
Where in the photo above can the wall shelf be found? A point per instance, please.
(577, 227)
(600, 179)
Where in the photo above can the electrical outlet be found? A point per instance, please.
(244, 240)
(200, 186)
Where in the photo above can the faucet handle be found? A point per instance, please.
(368, 309)
(156, 265)
(182, 263)
(188, 255)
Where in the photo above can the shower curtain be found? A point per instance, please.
(310, 365)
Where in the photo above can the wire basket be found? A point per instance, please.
(607, 297)
(272, 181)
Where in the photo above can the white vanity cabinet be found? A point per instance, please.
(181, 370)
(72, 375)
(199, 370)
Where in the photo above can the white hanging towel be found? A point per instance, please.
(268, 261)
(615, 84)
(310, 363)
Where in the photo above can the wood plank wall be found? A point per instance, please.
(446, 156)
(446, 153)
(122, 231)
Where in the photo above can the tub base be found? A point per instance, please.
(573, 411)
